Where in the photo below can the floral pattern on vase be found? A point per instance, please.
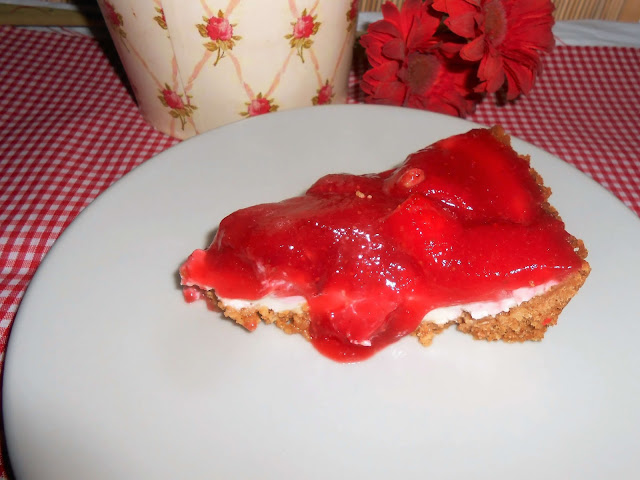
(114, 18)
(259, 106)
(161, 44)
(303, 29)
(177, 107)
(160, 19)
(352, 15)
(220, 32)
(324, 94)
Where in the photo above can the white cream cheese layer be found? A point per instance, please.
(277, 304)
(439, 316)
(478, 310)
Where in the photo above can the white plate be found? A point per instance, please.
(110, 375)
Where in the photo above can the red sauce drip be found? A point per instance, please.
(459, 221)
(191, 294)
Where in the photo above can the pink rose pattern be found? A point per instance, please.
(220, 32)
(324, 94)
(114, 18)
(259, 106)
(303, 28)
(177, 107)
(352, 15)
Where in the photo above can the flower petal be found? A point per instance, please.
(386, 72)
(463, 24)
(378, 34)
(421, 36)
(391, 14)
(382, 85)
(394, 50)
(383, 28)
(392, 93)
(410, 14)
(519, 79)
(491, 71)
(456, 7)
(474, 50)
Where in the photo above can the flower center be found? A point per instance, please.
(495, 22)
(422, 71)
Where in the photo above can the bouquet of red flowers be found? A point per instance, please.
(446, 55)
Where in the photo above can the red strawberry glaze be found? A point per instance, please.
(191, 294)
(460, 221)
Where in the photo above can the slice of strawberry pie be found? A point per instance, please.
(460, 233)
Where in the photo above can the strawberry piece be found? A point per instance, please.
(419, 222)
(501, 182)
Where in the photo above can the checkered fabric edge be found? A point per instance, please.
(68, 130)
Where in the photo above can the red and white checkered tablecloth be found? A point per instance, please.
(69, 129)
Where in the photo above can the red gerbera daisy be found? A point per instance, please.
(408, 67)
(506, 36)
(425, 81)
